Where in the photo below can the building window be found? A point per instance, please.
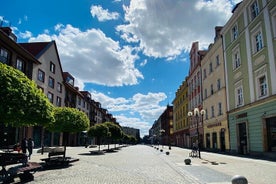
(258, 41)
(205, 93)
(214, 140)
(58, 102)
(219, 108)
(51, 82)
(218, 84)
(59, 87)
(212, 89)
(208, 140)
(204, 74)
(20, 65)
(212, 111)
(4, 56)
(239, 96)
(50, 97)
(234, 32)
(40, 75)
(210, 67)
(236, 59)
(79, 99)
(254, 10)
(217, 60)
(206, 114)
(70, 80)
(52, 67)
(262, 86)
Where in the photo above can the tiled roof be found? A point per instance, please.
(35, 48)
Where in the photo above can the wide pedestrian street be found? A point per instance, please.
(145, 164)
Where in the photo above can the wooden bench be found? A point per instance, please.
(57, 158)
(22, 168)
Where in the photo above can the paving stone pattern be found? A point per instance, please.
(143, 164)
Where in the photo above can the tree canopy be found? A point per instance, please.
(98, 131)
(115, 130)
(21, 102)
(69, 120)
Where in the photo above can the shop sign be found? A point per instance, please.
(214, 125)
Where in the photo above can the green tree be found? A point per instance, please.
(98, 131)
(115, 130)
(21, 102)
(68, 120)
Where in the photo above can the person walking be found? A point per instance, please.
(30, 147)
(24, 145)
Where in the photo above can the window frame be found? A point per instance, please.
(59, 87)
(52, 67)
(218, 84)
(261, 73)
(39, 71)
(53, 82)
(58, 101)
(236, 61)
(50, 96)
(234, 32)
(20, 64)
(239, 97)
(217, 60)
(4, 55)
(254, 10)
(257, 45)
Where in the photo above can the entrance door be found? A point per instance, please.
(242, 138)
(222, 140)
(271, 134)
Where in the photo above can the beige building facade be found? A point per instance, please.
(216, 133)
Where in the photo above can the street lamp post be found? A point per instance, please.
(196, 114)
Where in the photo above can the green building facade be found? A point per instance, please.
(249, 51)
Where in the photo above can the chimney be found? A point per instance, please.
(218, 35)
(9, 33)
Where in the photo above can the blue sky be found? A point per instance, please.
(132, 55)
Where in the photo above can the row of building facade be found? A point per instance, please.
(41, 63)
(232, 87)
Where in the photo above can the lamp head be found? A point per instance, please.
(196, 111)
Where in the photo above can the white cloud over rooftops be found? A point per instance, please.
(93, 57)
(103, 14)
(166, 28)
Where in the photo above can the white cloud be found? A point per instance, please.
(92, 57)
(140, 111)
(102, 14)
(165, 28)
(25, 35)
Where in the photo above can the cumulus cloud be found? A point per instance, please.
(139, 111)
(26, 34)
(102, 14)
(93, 57)
(166, 28)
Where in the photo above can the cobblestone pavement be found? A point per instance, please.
(142, 164)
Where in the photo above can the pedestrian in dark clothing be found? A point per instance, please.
(30, 147)
(24, 145)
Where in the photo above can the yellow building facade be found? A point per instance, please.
(216, 133)
(180, 118)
